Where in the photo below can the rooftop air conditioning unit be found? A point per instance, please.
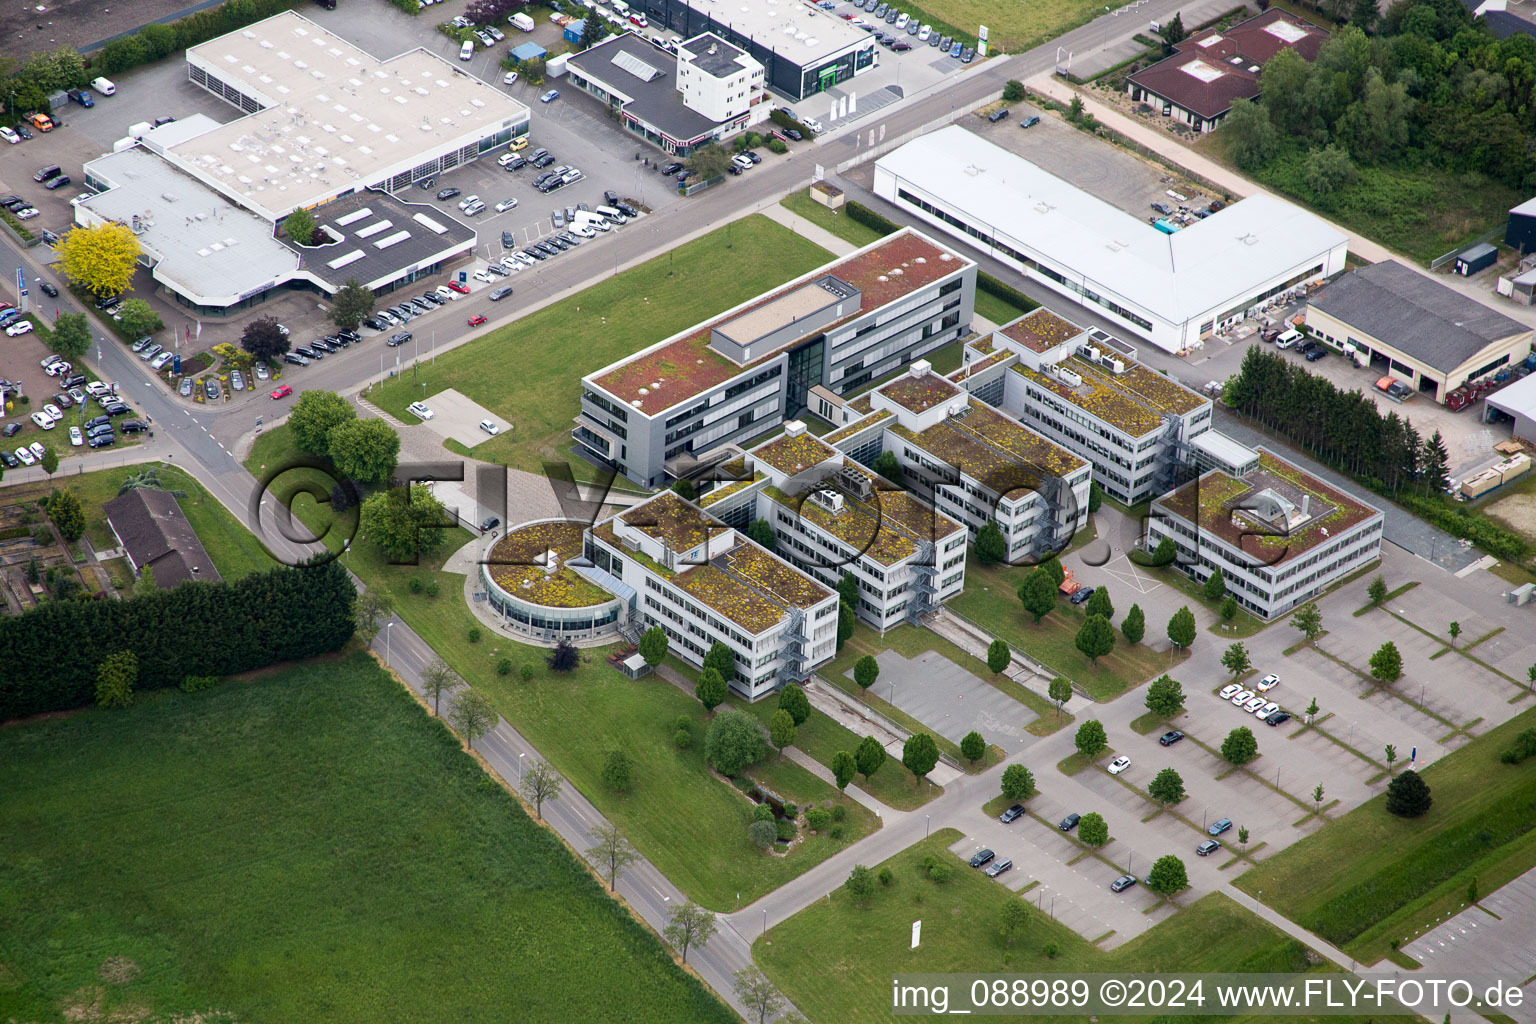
(1068, 377)
(1116, 366)
(829, 500)
(857, 483)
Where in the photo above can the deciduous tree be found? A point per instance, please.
(846, 620)
(1165, 696)
(721, 660)
(540, 783)
(1377, 591)
(886, 465)
(65, 511)
(998, 656)
(1100, 604)
(300, 226)
(1240, 746)
(865, 671)
(618, 770)
(352, 305)
(1096, 638)
(563, 658)
(870, 756)
(403, 526)
(264, 340)
(611, 853)
(1093, 830)
(1391, 753)
(781, 729)
(1015, 915)
(710, 689)
(1018, 782)
(733, 743)
(1251, 137)
(473, 715)
(1235, 660)
(437, 681)
(1215, 586)
(709, 161)
(1309, 621)
(860, 884)
(653, 646)
(690, 925)
(1060, 691)
(794, 700)
(1038, 593)
(761, 532)
(100, 259)
(1167, 787)
(757, 994)
(973, 747)
(844, 767)
(1387, 664)
(1167, 877)
(71, 336)
(990, 546)
(1091, 739)
(1134, 626)
(1181, 628)
(365, 450)
(920, 754)
(313, 417)
(138, 318)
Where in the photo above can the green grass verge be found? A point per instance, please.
(1395, 592)
(1367, 878)
(282, 849)
(990, 601)
(836, 221)
(1074, 763)
(862, 947)
(233, 549)
(1011, 28)
(995, 308)
(527, 371)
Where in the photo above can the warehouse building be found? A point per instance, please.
(709, 92)
(803, 49)
(654, 415)
(1279, 535)
(1172, 290)
(704, 582)
(833, 517)
(1406, 324)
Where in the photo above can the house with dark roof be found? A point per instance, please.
(1211, 70)
(1501, 21)
(1408, 325)
(710, 91)
(153, 530)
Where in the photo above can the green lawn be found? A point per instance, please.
(1367, 878)
(996, 309)
(835, 960)
(528, 371)
(233, 549)
(836, 221)
(304, 846)
(990, 601)
(682, 816)
(1012, 27)
(821, 737)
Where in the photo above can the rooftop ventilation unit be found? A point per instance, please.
(830, 500)
(859, 485)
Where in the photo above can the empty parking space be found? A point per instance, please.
(950, 700)
(457, 416)
(1480, 943)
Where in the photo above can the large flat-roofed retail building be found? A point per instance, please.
(1172, 290)
(803, 49)
(728, 380)
(1410, 326)
(324, 118)
(327, 128)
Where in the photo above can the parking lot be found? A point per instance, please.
(950, 700)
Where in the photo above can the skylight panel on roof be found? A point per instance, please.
(394, 239)
(1285, 30)
(355, 216)
(372, 229)
(1210, 40)
(430, 224)
(627, 61)
(351, 257)
(1203, 71)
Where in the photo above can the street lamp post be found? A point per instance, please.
(765, 921)
(520, 766)
(927, 825)
(386, 640)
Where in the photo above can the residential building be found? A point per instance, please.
(803, 49)
(655, 414)
(154, 533)
(1279, 535)
(322, 120)
(675, 103)
(1213, 69)
(1171, 289)
(1144, 432)
(1408, 325)
(704, 582)
(970, 462)
(832, 516)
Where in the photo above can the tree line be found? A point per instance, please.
(1422, 84)
(52, 653)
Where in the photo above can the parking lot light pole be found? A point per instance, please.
(927, 825)
(1202, 816)
(388, 624)
(520, 767)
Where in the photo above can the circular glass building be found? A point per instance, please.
(538, 594)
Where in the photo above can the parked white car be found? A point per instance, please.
(9, 135)
(510, 78)
(468, 201)
(43, 420)
(26, 457)
(481, 275)
(75, 437)
(1268, 683)
(53, 411)
(160, 361)
(420, 410)
(505, 205)
(18, 328)
(1119, 765)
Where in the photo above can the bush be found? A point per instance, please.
(839, 812)
(940, 872)
(526, 672)
(416, 584)
(474, 634)
(504, 667)
(433, 588)
(857, 211)
(777, 146)
(1525, 747)
(836, 833)
(1051, 950)
(1013, 90)
(762, 812)
(817, 819)
(786, 829)
(683, 739)
(886, 876)
(192, 684)
(791, 810)
(1007, 292)
(762, 833)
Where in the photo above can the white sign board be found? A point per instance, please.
(917, 932)
(981, 41)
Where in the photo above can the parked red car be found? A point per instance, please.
(282, 391)
(476, 320)
(462, 289)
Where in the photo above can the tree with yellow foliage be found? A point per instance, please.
(100, 259)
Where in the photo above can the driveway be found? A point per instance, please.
(952, 701)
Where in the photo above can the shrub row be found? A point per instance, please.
(1490, 537)
(15, 531)
(152, 42)
(869, 218)
(51, 653)
(1524, 748)
(1007, 292)
(1362, 906)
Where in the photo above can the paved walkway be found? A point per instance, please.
(815, 232)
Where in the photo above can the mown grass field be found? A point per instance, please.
(1367, 878)
(835, 959)
(687, 820)
(990, 600)
(529, 370)
(302, 846)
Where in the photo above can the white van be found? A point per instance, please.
(1288, 339)
(104, 86)
(467, 50)
(613, 215)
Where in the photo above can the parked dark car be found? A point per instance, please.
(1122, 883)
(1082, 595)
(1207, 847)
(447, 193)
(1012, 814)
(903, 46)
(1029, 122)
(54, 184)
(792, 133)
(1070, 822)
(981, 857)
(134, 426)
(1219, 826)
(211, 388)
(672, 168)
(1317, 353)
(1278, 718)
(490, 524)
(398, 339)
(102, 441)
(48, 289)
(10, 461)
(11, 429)
(1000, 113)
(349, 335)
(81, 97)
(1170, 737)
